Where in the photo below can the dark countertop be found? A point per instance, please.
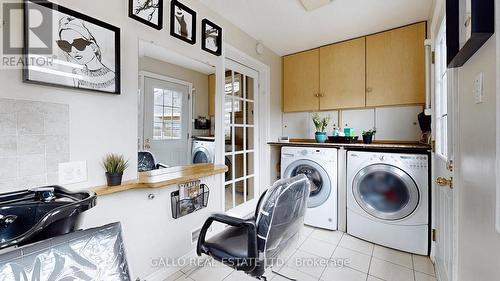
(377, 146)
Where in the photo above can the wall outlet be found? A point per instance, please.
(478, 88)
(72, 172)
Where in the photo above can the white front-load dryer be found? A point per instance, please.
(388, 199)
(320, 166)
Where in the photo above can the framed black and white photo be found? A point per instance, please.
(70, 49)
(149, 12)
(211, 37)
(182, 22)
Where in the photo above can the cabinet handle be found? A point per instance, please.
(369, 90)
(321, 94)
(316, 95)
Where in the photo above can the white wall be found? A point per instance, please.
(479, 243)
(398, 123)
(102, 123)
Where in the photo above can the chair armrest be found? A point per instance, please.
(160, 165)
(232, 221)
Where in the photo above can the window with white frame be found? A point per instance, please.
(167, 123)
(441, 93)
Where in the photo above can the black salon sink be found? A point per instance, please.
(36, 214)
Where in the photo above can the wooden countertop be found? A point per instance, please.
(171, 176)
(381, 145)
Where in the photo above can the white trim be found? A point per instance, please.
(497, 23)
(142, 75)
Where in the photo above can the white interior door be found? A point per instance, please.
(166, 121)
(241, 135)
(443, 123)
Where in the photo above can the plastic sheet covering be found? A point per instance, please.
(281, 216)
(93, 254)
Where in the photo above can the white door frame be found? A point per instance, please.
(262, 106)
(142, 75)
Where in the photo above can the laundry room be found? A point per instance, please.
(220, 140)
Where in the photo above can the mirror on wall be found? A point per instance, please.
(176, 123)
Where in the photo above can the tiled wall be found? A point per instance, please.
(393, 123)
(34, 139)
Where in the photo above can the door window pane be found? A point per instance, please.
(167, 119)
(441, 95)
(228, 192)
(239, 115)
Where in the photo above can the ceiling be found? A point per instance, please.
(286, 27)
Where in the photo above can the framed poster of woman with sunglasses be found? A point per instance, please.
(80, 52)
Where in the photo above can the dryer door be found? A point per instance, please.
(385, 192)
(201, 155)
(320, 181)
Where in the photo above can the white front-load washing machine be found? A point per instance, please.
(203, 150)
(388, 199)
(320, 166)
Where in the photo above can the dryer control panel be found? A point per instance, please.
(415, 161)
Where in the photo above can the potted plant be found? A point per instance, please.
(368, 135)
(114, 165)
(320, 124)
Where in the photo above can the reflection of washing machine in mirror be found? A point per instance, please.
(320, 166)
(203, 150)
(388, 199)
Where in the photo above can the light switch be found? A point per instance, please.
(478, 88)
(72, 172)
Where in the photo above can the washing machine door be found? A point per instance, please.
(385, 192)
(201, 155)
(320, 181)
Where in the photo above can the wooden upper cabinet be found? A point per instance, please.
(211, 94)
(395, 66)
(301, 81)
(342, 75)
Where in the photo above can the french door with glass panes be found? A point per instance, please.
(240, 134)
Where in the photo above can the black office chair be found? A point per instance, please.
(252, 245)
(146, 162)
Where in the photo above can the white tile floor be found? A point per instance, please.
(363, 261)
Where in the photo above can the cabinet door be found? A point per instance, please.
(211, 94)
(342, 75)
(395, 66)
(301, 81)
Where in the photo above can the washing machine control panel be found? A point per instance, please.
(415, 161)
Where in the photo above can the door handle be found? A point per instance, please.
(445, 182)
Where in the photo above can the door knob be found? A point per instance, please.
(445, 182)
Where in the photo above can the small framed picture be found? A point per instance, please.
(79, 51)
(149, 12)
(182, 22)
(211, 37)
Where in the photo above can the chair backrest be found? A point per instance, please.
(281, 215)
(146, 161)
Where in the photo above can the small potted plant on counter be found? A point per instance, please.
(320, 124)
(114, 165)
(368, 135)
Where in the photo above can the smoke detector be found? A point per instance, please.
(310, 5)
